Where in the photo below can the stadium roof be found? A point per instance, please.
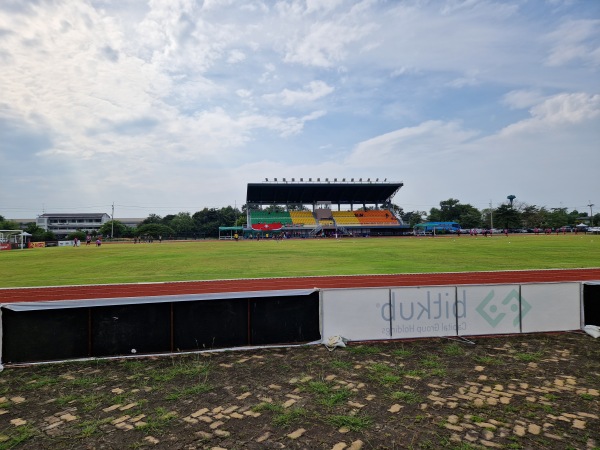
(284, 193)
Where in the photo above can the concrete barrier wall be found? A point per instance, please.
(434, 311)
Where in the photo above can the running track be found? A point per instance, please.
(15, 295)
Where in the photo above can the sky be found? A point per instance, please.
(160, 107)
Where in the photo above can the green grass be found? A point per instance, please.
(354, 423)
(208, 260)
(327, 395)
(192, 391)
(529, 357)
(407, 396)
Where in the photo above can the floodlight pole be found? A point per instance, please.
(591, 214)
(112, 222)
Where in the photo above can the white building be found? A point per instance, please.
(66, 223)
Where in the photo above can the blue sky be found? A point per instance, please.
(169, 106)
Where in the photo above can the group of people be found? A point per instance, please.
(88, 241)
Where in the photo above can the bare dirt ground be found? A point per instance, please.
(514, 392)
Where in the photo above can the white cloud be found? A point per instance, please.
(159, 95)
(521, 99)
(559, 110)
(575, 40)
(312, 91)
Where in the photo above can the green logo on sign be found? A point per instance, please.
(494, 311)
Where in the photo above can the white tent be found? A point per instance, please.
(6, 235)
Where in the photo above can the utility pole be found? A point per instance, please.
(491, 217)
(112, 222)
(590, 204)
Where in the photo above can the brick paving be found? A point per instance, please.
(381, 395)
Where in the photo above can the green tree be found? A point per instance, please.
(183, 224)
(506, 216)
(152, 218)
(452, 210)
(155, 230)
(412, 218)
(558, 217)
(38, 234)
(116, 228)
(208, 221)
(6, 224)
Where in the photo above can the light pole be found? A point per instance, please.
(591, 214)
(112, 222)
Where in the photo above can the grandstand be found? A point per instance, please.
(307, 209)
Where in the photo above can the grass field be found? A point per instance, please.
(211, 260)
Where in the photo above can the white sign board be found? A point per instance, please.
(425, 312)
(554, 307)
(491, 309)
(356, 314)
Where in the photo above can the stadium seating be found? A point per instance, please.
(345, 218)
(376, 217)
(303, 219)
(270, 217)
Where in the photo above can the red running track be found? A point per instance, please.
(15, 295)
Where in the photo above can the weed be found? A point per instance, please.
(91, 427)
(364, 349)
(431, 361)
(439, 372)
(287, 417)
(488, 360)
(407, 397)
(379, 368)
(188, 392)
(454, 349)
(40, 382)
(528, 357)
(389, 378)
(265, 406)
(403, 353)
(88, 381)
(550, 397)
(92, 401)
(415, 373)
(65, 399)
(353, 423)
(17, 436)
(180, 369)
(328, 396)
(586, 396)
(338, 364)
(155, 423)
(464, 446)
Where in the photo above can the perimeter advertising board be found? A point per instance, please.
(355, 314)
(425, 312)
(492, 309)
(553, 307)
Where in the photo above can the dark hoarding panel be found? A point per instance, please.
(283, 320)
(130, 329)
(210, 324)
(591, 304)
(44, 335)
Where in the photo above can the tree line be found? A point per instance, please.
(206, 223)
